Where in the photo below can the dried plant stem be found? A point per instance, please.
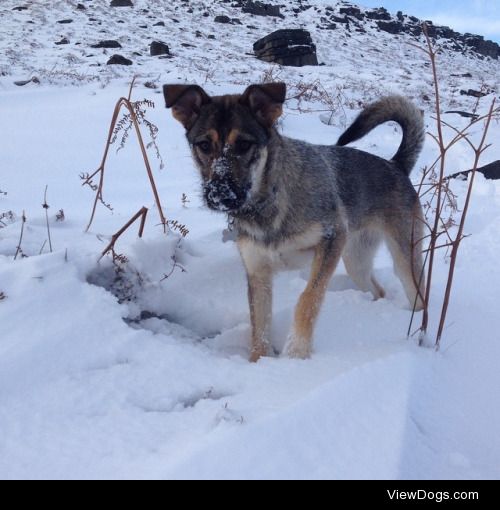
(460, 234)
(126, 103)
(19, 250)
(100, 170)
(439, 197)
(142, 213)
(46, 207)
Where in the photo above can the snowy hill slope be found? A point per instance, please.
(145, 377)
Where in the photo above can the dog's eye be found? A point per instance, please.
(243, 146)
(204, 146)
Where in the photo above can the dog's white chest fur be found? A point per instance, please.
(295, 252)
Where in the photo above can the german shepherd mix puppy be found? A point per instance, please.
(286, 196)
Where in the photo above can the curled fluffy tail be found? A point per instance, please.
(400, 110)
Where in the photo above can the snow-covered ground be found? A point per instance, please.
(145, 377)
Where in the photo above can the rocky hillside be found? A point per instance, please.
(89, 40)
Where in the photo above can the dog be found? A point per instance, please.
(287, 196)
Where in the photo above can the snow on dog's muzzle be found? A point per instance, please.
(222, 194)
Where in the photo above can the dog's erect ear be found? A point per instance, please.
(185, 101)
(265, 101)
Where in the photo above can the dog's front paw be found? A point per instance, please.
(259, 351)
(298, 348)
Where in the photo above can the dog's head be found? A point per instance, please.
(228, 136)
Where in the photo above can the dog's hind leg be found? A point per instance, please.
(326, 257)
(404, 240)
(358, 257)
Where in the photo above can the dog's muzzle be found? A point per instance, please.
(222, 194)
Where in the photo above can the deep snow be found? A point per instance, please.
(160, 386)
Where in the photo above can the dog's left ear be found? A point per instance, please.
(186, 102)
(265, 101)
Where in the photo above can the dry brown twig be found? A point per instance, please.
(46, 207)
(19, 250)
(135, 115)
(110, 248)
(434, 187)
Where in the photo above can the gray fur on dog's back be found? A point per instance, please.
(400, 110)
(320, 184)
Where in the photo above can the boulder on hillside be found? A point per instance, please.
(262, 9)
(121, 3)
(106, 44)
(119, 60)
(289, 47)
(158, 48)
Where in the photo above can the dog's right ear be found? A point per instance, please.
(186, 102)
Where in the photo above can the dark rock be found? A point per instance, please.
(121, 3)
(339, 19)
(64, 40)
(392, 27)
(159, 24)
(292, 47)
(352, 11)
(158, 48)
(415, 30)
(222, 19)
(400, 16)
(465, 75)
(107, 44)
(262, 9)
(81, 7)
(20, 8)
(473, 93)
(119, 60)
(378, 14)
(446, 32)
(65, 21)
(491, 171)
(479, 45)
(25, 82)
(467, 115)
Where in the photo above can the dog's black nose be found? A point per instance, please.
(222, 194)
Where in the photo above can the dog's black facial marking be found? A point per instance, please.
(227, 142)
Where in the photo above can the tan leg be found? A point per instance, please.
(260, 296)
(404, 240)
(358, 257)
(326, 257)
